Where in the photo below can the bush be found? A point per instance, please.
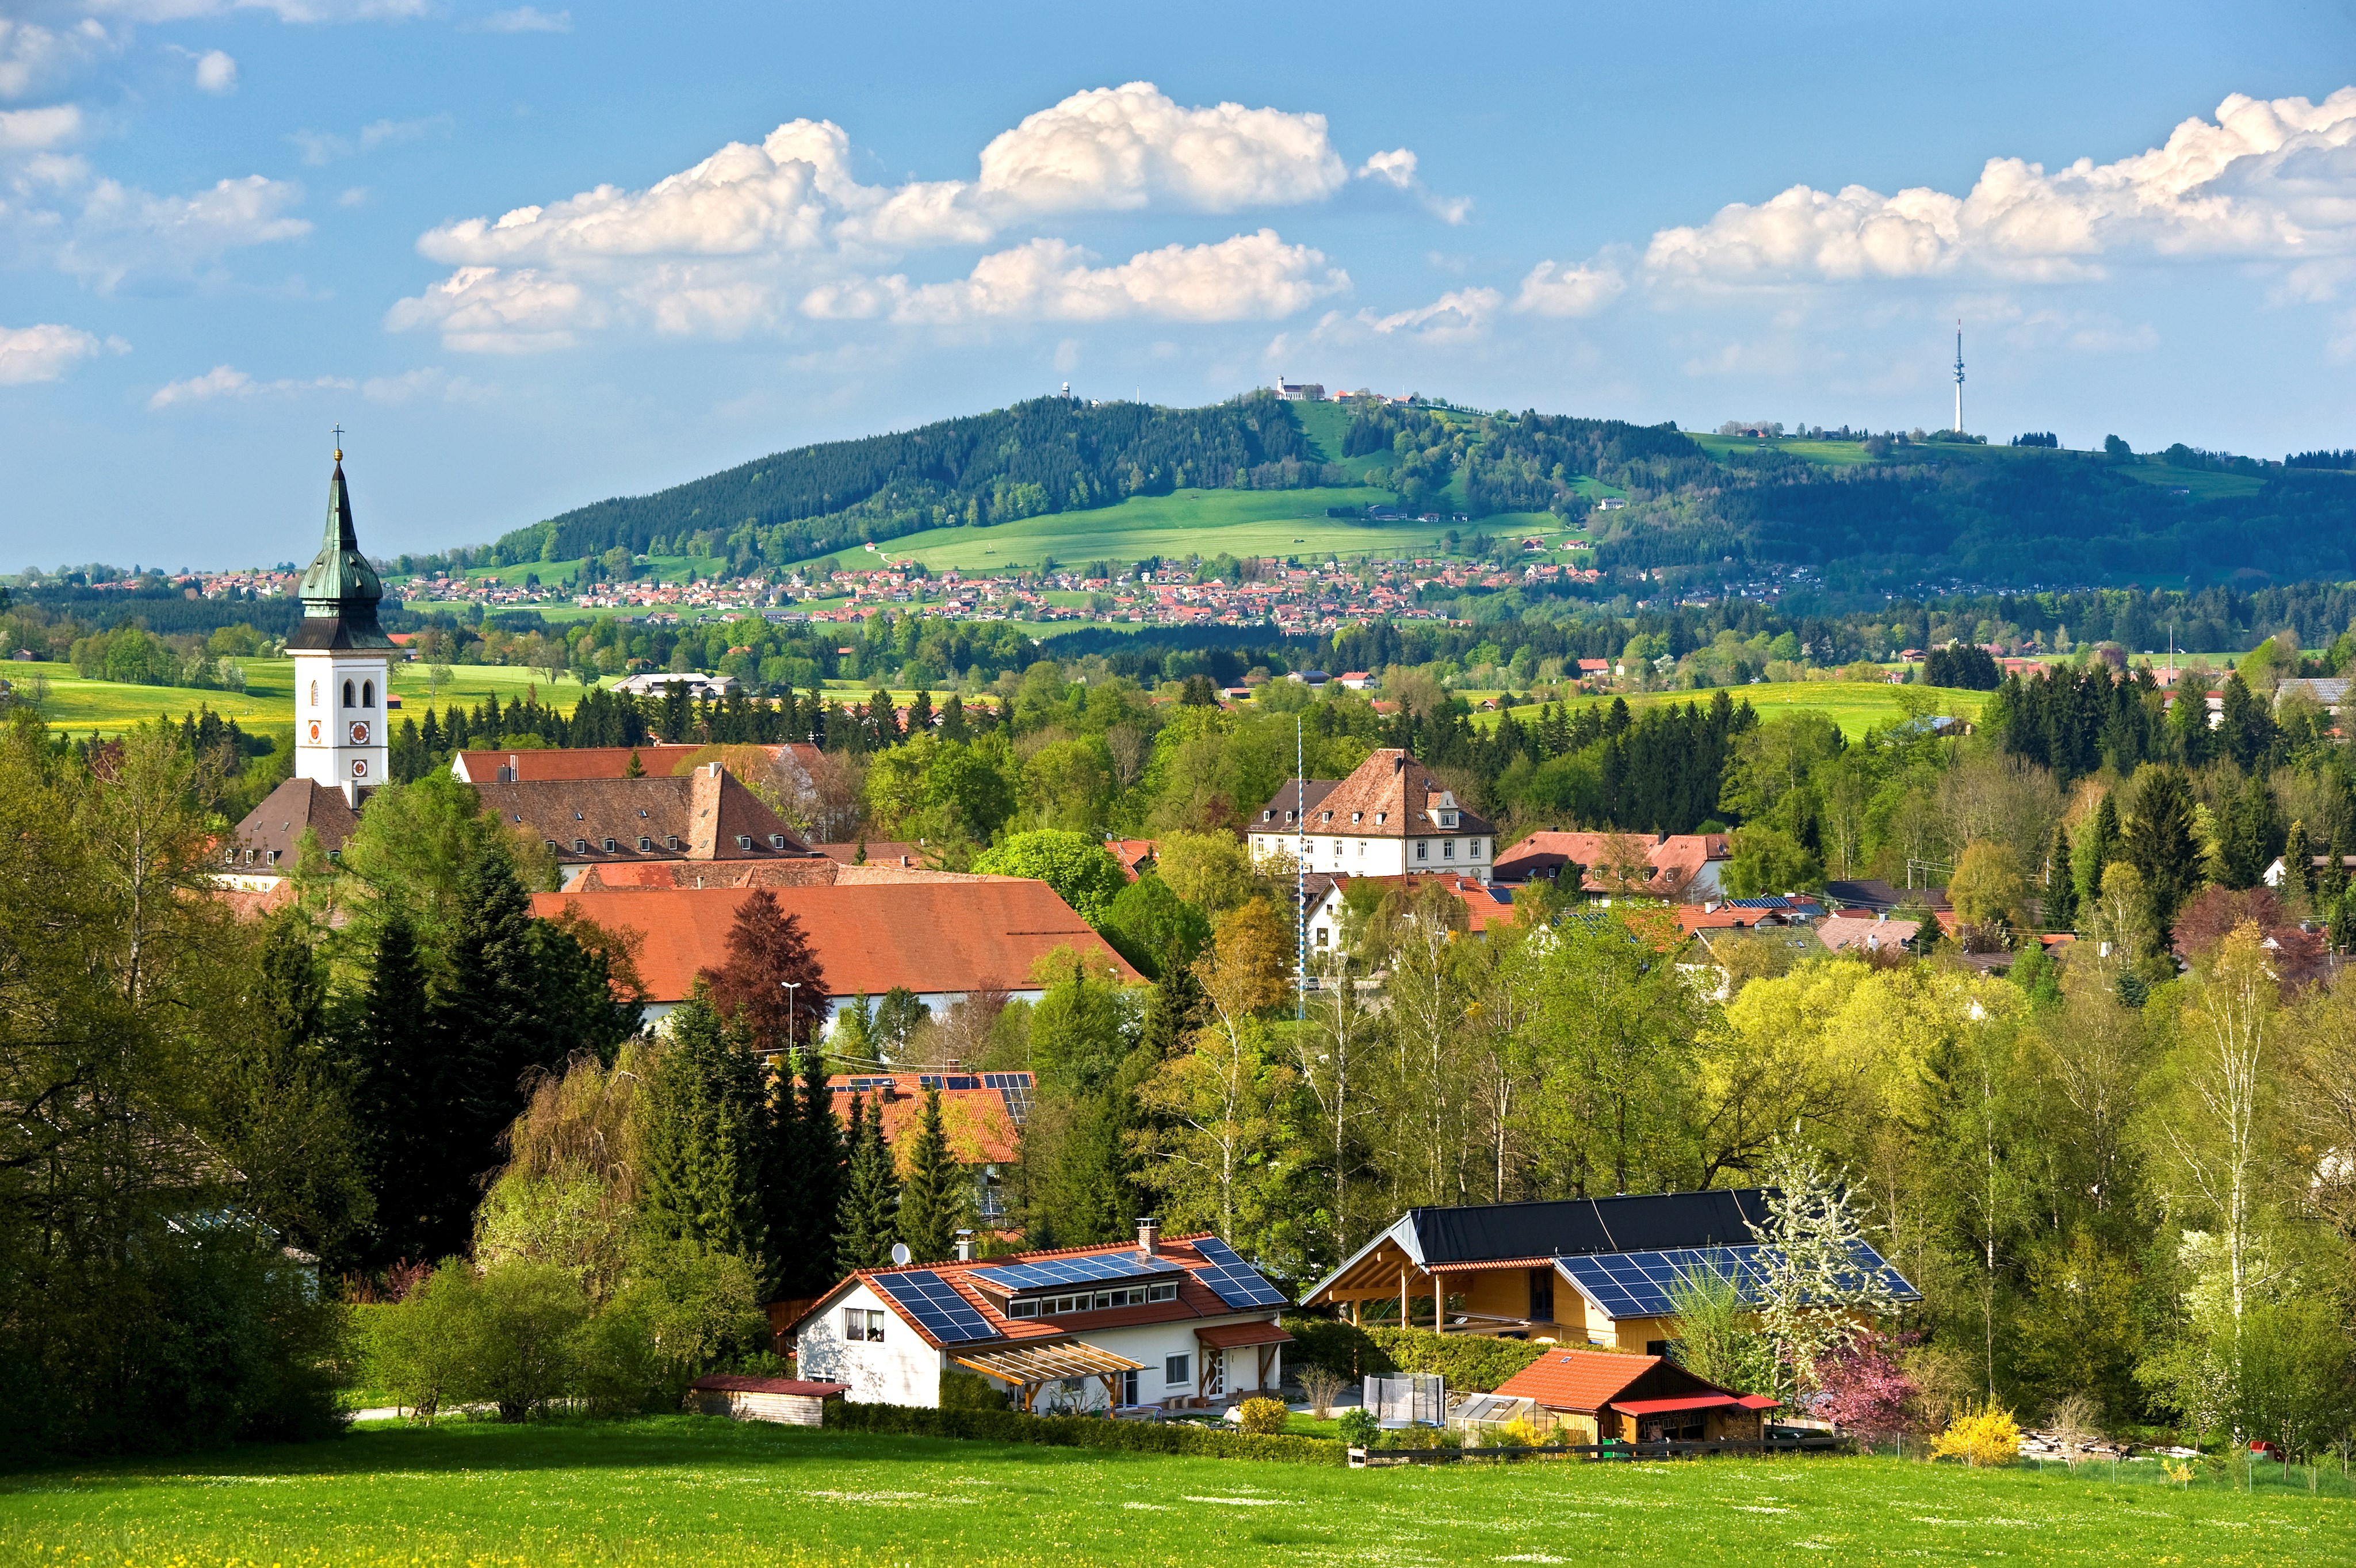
(1081, 1432)
(970, 1391)
(1359, 1427)
(512, 1335)
(1474, 1365)
(1264, 1417)
(1338, 1347)
(1982, 1434)
(683, 1310)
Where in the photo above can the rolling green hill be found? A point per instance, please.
(1703, 514)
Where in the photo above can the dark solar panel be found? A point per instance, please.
(1014, 1087)
(1643, 1284)
(933, 1302)
(1006, 1080)
(947, 1080)
(1234, 1281)
(1049, 1272)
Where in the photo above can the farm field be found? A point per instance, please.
(696, 1490)
(78, 707)
(1856, 705)
(1188, 523)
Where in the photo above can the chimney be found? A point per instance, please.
(965, 1246)
(1149, 1237)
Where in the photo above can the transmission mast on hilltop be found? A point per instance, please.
(1959, 378)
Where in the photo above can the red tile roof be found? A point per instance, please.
(928, 937)
(979, 1121)
(1484, 905)
(709, 813)
(1390, 795)
(1195, 1299)
(1673, 859)
(571, 762)
(1577, 1380)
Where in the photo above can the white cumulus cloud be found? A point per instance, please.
(41, 353)
(1248, 277)
(714, 249)
(32, 130)
(2263, 180)
(524, 19)
(121, 230)
(226, 382)
(216, 72)
(31, 54)
(1458, 313)
(485, 311)
(1578, 290)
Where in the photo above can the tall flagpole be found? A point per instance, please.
(1299, 875)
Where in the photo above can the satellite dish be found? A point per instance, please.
(900, 1254)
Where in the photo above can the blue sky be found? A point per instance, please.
(533, 257)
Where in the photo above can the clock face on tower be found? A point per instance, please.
(359, 732)
(360, 767)
(315, 732)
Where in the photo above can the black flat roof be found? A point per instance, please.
(1637, 1223)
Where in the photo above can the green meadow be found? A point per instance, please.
(79, 707)
(1856, 705)
(681, 1490)
(1185, 522)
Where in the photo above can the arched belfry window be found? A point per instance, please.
(348, 694)
(314, 694)
(367, 693)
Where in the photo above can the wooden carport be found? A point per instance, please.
(1030, 1366)
(1386, 1272)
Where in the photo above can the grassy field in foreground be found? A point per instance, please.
(1188, 522)
(696, 1490)
(1856, 705)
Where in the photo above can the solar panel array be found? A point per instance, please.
(1015, 1088)
(862, 1085)
(1082, 1270)
(948, 1081)
(1234, 1281)
(1643, 1284)
(933, 1302)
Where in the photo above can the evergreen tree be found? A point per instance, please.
(2098, 849)
(702, 1146)
(2160, 843)
(2343, 921)
(920, 713)
(803, 1188)
(487, 1012)
(403, 1080)
(952, 725)
(869, 1214)
(2299, 863)
(935, 1195)
(2060, 887)
(2331, 876)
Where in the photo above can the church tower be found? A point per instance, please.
(342, 661)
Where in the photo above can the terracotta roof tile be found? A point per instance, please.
(1577, 1380)
(707, 815)
(969, 935)
(571, 762)
(1390, 795)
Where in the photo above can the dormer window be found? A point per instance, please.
(581, 846)
(1447, 819)
(743, 841)
(1379, 818)
(1358, 816)
(610, 847)
(776, 841)
(644, 843)
(670, 842)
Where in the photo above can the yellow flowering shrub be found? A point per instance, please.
(1979, 1434)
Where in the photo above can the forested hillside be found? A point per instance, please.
(1049, 455)
(1872, 515)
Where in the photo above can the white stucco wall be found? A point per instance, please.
(938, 1002)
(901, 1369)
(1356, 856)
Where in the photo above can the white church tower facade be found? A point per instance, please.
(342, 661)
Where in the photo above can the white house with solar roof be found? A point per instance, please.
(1181, 1323)
(1590, 1271)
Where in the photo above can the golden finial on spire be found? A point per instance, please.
(339, 443)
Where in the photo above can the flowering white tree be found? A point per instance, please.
(1816, 1292)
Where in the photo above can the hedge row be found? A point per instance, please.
(1474, 1363)
(1080, 1432)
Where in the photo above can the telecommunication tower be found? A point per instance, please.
(1959, 378)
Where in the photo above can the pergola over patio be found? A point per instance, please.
(1028, 1367)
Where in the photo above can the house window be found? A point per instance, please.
(862, 1325)
(1362, 846)
(1321, 936)
(1657, 1347)
(1177, 1371)
(1447, 850)
(1129, 1387)
(1423, 849)
(1476, 849)
(1337, 846)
